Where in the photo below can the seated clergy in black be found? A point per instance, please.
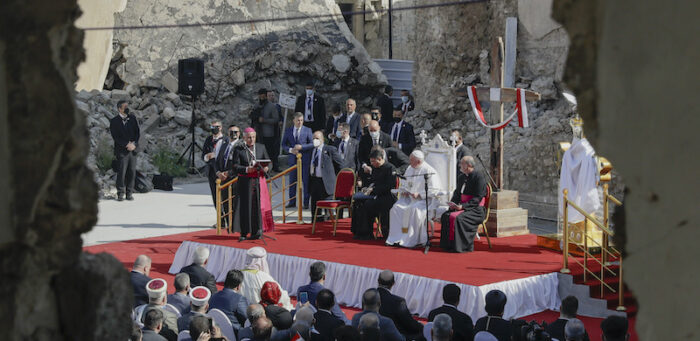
(494, 322)
(462, 324)
(375, 200)
(460, 223)
(568, 309)
(394, 307)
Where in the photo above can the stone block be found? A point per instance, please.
(168, 113)
(504, 199)
(183, 117)
(507, 222)
(118, 95)
(341, 63)
(169, 82)
(238, 77)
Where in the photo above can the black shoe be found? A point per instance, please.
(256, 237)
(120, 198)
(306, 207)
(290, 205)
(129, 197)
(242, 238)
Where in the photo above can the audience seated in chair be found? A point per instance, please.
(181, 299)
(197, 271)
(326, 323)
(568, 310)
(615, 328)
(395, 308)
(199, 305)
(230, 301)
(317, 273)
(494, 322)
(371, 303)
(152, 325)
(442, 329)
(253, 313)
(139, 278)
(157, 299)
(255, 273)
(462, 325)
(270, 295)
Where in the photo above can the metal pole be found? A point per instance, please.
(390, 35)
(621, 302)
(300, 197)
(585, 248)
(218, 207)
(230, 207)
(565, 269)
(284, 202)
(606, 224)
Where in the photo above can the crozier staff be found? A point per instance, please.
(125, 132)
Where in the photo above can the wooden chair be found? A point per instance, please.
(487, 204)
(344, 188)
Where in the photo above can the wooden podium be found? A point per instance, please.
(506, 218)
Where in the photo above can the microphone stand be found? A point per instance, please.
(427, 215)
(493, 182)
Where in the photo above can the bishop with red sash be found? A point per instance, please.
(460, 223)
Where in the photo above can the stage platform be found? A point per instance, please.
(526, 273)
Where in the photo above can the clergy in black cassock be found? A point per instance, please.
(251, 212)
(460, 223)
(377, 202)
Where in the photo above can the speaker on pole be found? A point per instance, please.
(190, 77)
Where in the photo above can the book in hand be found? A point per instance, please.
(262, 163)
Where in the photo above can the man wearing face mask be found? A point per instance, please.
(211, 148)
(332, 123)
(374, 137)
(223, 165)
(347, 147)
(324, 160)
(460, 148)
(365, 119)
(402, 135)
(352, 118)
(406, 102)
(125, 132)
(313, 107)
(268, 120)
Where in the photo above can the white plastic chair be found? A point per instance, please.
(137, 314)
(171, 308)
(223, 322)
(184, 336)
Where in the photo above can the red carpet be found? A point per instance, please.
(510, 258)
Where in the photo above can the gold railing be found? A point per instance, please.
(298, 197)
(607, 251)
(228, 187)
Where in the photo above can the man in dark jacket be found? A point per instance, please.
(462, 325)
(125, 132)
(198, 274)
(394, 307)
(230, 301)
(139, 279)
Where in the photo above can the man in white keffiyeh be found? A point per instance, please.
(255, 273)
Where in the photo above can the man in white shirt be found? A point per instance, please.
(324, 159)
(352, 118)
(407, 216)
(313, 107)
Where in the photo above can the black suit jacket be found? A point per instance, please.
(355, 130)
(209, 147)
(223, 161)
(497, 326)
(139, 281)
(350, 159)
(398, 159)
(326, 323)
(200, 276)
(408, 108)
(407, 137)
(240, 160)
(318, 108)
(366, 145)
(122, 133)
(386, 106)
(394, 307)
(462, 324)
(332, 124)
(556, 329)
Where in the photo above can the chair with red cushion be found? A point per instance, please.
(344, 190)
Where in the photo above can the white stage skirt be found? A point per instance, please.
(526, 296)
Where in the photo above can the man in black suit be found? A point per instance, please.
(139, 279)
(374, 137)
(326, 323)
(396, 158)
(494, 322)
(313, 107)
(462, 324)
(402, 135)
(460, 148)
(125, 132)
(568, 310)
(376, 199)
(347, 147)
(230, 301)
(332, 123)
(615, 328)
(371, 303)
(365, 119)
(352, 118)
(223, 164)
(385, 123)
(211, 148)
(394, 307)
(406, 104)
(198, 274)
(324, 160)
(385, 104)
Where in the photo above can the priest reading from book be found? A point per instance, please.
(252, 208)
(375, 200)
(408, 215)
(460, 223)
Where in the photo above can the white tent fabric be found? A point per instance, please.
(526, 296)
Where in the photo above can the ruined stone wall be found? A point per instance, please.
(48, 198)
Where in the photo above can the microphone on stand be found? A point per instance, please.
(397, 174)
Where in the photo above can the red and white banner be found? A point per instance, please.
(520, 110)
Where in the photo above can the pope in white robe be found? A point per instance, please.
(255, 273)
(579, 174)
(407, 216)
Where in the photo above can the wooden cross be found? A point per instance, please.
(498, 95)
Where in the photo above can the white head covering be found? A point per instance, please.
(156, 288)
(484, 336)
(199, 296)
(256, 259)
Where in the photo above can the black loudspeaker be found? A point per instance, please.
(190, 77)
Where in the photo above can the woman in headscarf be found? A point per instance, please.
(255, 273)
(270, 295)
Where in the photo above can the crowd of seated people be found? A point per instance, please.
(196, 313)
